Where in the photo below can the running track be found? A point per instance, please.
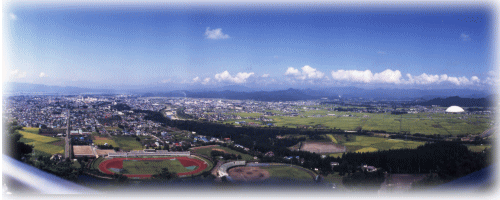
(185, 161)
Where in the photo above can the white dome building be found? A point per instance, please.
(454, 109)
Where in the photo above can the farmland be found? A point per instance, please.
(424, 123)
(43, 144)
(127, 143)
(370, 144)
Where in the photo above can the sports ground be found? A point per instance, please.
(146, 167)
(266, 171)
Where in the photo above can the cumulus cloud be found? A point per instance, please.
(215, 34)
(306, 73)
(241, 77)
(265, 75)
(17, 74)
(387, 76)
(42, 75)
(425, 79)
(196, 79)
(12, 16)
(395, 77)
(292, 71)
(205, 81)
(464, 37)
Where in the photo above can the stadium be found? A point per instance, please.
(145, 164)
(240, 171)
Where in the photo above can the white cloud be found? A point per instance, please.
(215, 34)
(292, 71)
(395, 77)
(425, 79)
(464, 37)
(307, 73)
(241, 77)
(42, 75)
(353, 75)
(16, 74)
(13, 16)
(265, 75)
(196, 79)
(312, 73)
(205, 81)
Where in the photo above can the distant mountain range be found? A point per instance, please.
(242, 92)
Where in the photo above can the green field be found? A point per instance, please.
(366, 149)
(127, 143)
(206, 151)
(330, 136)
(36, 137)
(424, 123)
(289, 173)
(243, 114)
(31, 130)
(43, 145)
(153, 166)
(478, 148)
(369, 144)
(102, 142)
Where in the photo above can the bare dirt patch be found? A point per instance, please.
(58, 143)
(100, 138)
(322, 147)
(248, 174)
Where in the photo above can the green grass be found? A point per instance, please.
(206, 151)
(102, 142)
(478, 148)
(36, 137)
(127, 143)
(330, 136)
(286, 172)
(152, 166)
(31, 130)
(95, 163)
(367, 149)
(335, 155)
(424, 123)
(41, 143)
(368, 144)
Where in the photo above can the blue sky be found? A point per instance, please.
(257, 47)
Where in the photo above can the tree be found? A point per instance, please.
(17, 149)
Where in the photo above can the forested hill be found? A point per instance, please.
(458, 101)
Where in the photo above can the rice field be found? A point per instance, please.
(41, 143)
(424, 123)
(370, 144)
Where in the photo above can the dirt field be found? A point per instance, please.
(82, 150)
(100, 138)
(322, 147)
(248, 174)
